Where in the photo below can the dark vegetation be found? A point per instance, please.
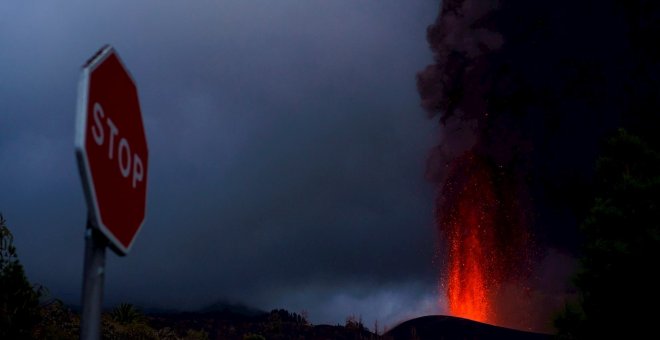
(25, 313)
(19, 300)
(622, 230)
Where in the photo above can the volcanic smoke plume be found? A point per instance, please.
(525, 91)
(479, 210)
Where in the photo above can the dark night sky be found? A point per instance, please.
(287, 152)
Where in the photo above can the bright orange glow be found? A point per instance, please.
(469, 230)
(467, 285)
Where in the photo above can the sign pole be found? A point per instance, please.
(113, 159)
(93, 275)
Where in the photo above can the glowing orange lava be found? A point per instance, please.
(466, 287)
(468, 217)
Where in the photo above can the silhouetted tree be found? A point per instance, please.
(622, 247)
(58, 322)
(252, 336)
(354, 323)
(19, 300)
(126, 313)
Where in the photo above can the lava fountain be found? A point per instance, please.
(484, 207)
(484, 237)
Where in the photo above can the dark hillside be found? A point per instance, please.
(449, 328)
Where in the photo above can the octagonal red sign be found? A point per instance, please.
(111, 148)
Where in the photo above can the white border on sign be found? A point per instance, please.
(81, 154)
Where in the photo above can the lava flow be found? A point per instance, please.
(482, 235)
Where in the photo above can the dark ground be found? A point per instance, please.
(449, 327)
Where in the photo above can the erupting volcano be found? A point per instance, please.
(525, 93)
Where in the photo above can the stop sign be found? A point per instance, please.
(111, 149)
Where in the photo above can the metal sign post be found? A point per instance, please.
(93, 276)
(113, 159)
